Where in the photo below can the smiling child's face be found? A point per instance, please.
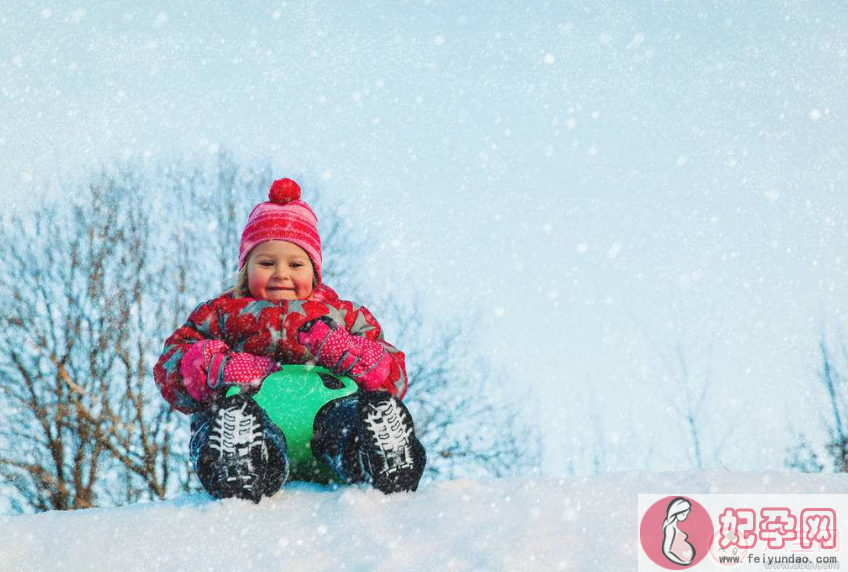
(279, 270)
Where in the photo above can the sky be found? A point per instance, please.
(589, 186)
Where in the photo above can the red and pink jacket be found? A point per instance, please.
(270, 329)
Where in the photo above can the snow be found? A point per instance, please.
(515, 524)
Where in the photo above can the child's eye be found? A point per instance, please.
(266, 263)
(296, 264)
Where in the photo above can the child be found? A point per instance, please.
(280, 312)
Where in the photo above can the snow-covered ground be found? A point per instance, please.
(511, 524)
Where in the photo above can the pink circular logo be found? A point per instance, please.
(676, 533)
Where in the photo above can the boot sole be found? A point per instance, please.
(394, 457)
(237, 450)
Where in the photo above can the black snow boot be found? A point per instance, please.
(392, 457)
(239, 452)
(335, 438)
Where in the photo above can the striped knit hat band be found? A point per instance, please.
(283, 217)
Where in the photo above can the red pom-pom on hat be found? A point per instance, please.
(284, 191)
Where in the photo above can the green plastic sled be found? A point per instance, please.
(292, 397)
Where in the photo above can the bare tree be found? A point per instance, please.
(74, 353)
(803, 455)
(599, 452)
(688, 399)
(685, 391)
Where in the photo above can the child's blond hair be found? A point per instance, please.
(241, 288)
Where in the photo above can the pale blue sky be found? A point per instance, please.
(597, 180)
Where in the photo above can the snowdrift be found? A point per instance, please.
(516, 524)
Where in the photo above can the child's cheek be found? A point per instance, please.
(253, 284)
(304, 292)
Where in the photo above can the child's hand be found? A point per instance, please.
(209, 365)
(241, 369)
(313, 333)
(364, 360)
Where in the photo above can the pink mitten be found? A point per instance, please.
(209, 365)
(239, 368)
(364, 360)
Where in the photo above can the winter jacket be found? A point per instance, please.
(266, 328)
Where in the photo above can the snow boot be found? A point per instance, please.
(370, 437)
(335, 438)
(239, 452)
(392, 456)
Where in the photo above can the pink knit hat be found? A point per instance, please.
(283, 217)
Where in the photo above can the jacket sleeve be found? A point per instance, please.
(361, 322)
(170, 372)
